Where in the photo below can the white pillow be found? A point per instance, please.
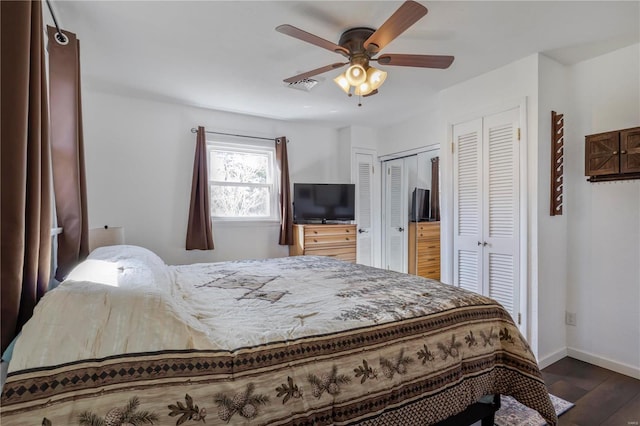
(126, 252)
(124, 266)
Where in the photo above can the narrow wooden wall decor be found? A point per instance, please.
(557, 159)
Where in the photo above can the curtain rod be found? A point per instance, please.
(60, 37)
(194, 130)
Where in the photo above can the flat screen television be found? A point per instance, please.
(420, 211)
(323, 202)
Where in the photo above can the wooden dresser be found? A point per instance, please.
(424, 249)
(337, 241)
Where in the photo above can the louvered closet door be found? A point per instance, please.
(501, 215)
(364, 208)
(486, 207)
(467, 223)
(395, 215)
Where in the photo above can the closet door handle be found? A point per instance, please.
(484, 244)
(401, 229)
(479, 243)
(623, 152)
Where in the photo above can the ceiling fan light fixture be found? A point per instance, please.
(363, 89)
(356, 75)
(342, 81)
(375, 77)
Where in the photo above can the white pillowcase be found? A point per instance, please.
(124, 266)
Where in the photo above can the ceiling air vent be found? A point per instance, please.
(305, 84)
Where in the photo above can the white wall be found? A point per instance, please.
(497, 91)
(553, 80)
(603, 218)
(139, 161)
(419, 131)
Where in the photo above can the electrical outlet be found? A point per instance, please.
(570, 318)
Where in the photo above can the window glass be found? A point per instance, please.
(241, 182)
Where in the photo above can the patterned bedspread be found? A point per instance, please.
(295, 341)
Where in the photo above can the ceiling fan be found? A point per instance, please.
(360, 45)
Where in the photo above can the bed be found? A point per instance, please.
(305, 340)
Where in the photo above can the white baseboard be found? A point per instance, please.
(547, 360)
(618, 367)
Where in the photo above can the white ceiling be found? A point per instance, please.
(226, 55)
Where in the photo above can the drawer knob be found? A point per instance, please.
(346, 230)
(315, 232)
(315, 241)
(347, 238)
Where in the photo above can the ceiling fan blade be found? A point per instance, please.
(314, 72)
(423, 61)
(375, 92)
(294, 32)
(406, 15)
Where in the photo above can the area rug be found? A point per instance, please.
(512, 413)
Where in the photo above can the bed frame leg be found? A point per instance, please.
(489, 420)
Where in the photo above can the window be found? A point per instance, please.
(241, 182)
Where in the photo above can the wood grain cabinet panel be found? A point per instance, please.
(424, 249)
(630, 151)
(337, 241)
(613, 155)
(602, 154)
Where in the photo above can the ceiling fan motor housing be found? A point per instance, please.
(353, 40)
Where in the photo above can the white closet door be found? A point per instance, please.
(501, 275)
(395, 215)
(467, 222)
(364, 208)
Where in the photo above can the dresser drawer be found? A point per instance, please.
(428, 245)
(322, 230)
(311, 241)
(432, 272)
(429, 262)
(345, 253)
(427, 231)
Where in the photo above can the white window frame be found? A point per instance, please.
(273, 187)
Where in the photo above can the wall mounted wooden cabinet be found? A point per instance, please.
(613, 155)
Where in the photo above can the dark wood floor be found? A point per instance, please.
(602, 397)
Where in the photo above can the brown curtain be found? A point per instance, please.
(199, 233)
(435, 188)
(69, 182)
(26, 195)
(286, 215)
